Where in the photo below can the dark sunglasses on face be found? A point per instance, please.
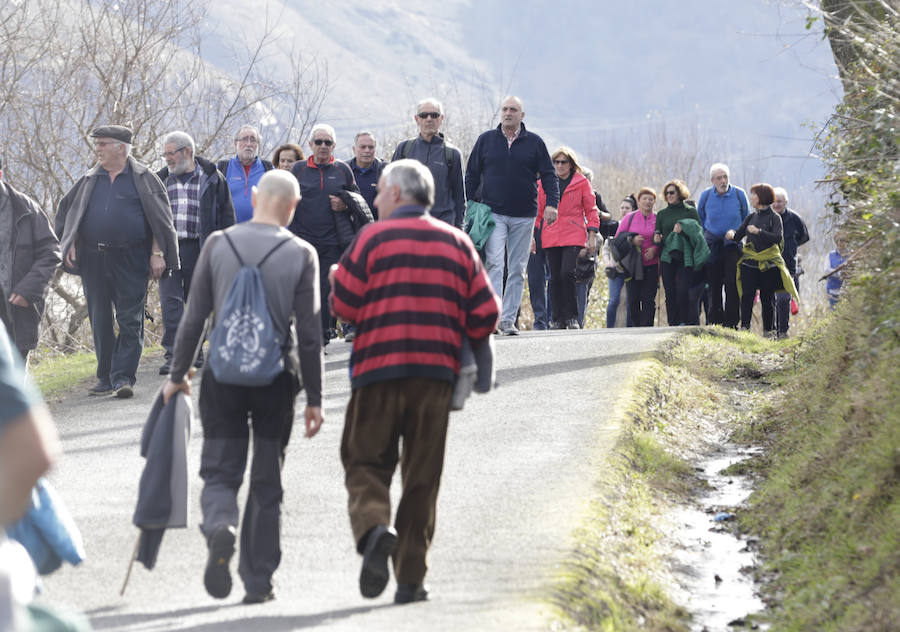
(560, 162)
(671, 192)
(425, 115)
(324, 141)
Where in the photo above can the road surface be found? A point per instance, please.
(518, 474)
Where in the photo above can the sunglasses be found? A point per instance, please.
(323, 141)
(425, 115)
(671, 192)
(560, 162)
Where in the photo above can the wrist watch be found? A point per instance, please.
(158, 253)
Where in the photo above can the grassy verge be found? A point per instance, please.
(828, 509)
(619, 577)
(57, 375)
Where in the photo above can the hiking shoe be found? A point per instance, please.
(123, 390)
(374, 574)
(508, 328)
(572, 324)
(165, 368)
(100, 388)
(254, 598)
(217, 577)
(408, 593)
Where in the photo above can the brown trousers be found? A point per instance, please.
(416, 409)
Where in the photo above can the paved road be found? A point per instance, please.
(519, 470)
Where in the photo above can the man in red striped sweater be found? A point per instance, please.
(414, 286)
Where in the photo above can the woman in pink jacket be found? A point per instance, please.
(576, 226)
(642, 294)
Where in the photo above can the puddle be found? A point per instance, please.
(712, 565)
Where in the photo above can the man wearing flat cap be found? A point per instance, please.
(116, 231)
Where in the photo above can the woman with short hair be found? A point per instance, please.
(576, 227)
(642, 292)
(761, 266)
(286, 155)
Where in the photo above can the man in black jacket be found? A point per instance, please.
(795, 234)
(29, 255)
(366, 167)
(201, 203)
(321, 217)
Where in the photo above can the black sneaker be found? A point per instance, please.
(100, 388)
(380, 545)
(123, 390)
(408, 593)
(166, 367)
(254, 598)
(217, 577)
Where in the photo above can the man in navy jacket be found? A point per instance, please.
(504, 166)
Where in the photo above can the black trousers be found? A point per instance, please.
(677, 282)
(766, 282)
(228, 413)
(722, 273)
(174, 289)
(642, 297)
(116, 279)
(783, 309)
(562, 261)
(328, 256)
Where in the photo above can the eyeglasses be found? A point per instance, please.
(560, 162)
(672, 192)
(323, 141)
(171, 154)
(104, 143)
(425, 115)
(249, 140)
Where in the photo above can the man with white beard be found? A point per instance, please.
(201, 203)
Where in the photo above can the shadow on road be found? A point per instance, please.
(270, 623)
(565, 366)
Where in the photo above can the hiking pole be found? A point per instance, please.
(130, 566)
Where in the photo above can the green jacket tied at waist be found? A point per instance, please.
(690, 241)
(765, 259)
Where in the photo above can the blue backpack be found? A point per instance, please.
(244, 349)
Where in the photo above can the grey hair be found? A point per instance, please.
(279, 183)
(181, 140)
(414, 180)
(432, 101)
(783, 193)
(250, 127)
(719, 166)
(127, 147)
(587, 173)
(323, 127)
(365, 132)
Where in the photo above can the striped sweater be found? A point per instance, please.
(413, 285)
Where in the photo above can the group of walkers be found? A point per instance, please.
(410, 290)
(695, 249)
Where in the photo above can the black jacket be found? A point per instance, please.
(628, 256)
(36, 255)
(357, 215)
(216, 207)
(770, 228)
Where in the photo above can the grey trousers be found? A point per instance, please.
(228, 413)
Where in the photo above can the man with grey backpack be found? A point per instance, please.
(255, 279)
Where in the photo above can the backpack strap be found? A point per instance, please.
(261, 261)
(407, 147)
(630, 220)
(274, 248)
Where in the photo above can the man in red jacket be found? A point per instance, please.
(414, 286)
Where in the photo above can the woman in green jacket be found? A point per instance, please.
(677, 277)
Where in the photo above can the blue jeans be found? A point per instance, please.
(538, 276)
(513, 236)
(615, 293)
(582, 292)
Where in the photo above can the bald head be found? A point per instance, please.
(275, 198)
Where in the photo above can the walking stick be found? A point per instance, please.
(130, 566)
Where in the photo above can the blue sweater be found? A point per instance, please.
(507, 176)
(721, 213)
(241, 185)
